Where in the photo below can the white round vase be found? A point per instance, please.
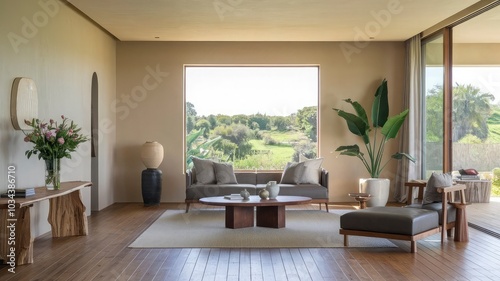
(378, 188)
(152, 154)
(273, 188)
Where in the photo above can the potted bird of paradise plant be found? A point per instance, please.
(375, 135)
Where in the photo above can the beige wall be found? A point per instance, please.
(151, 107)
(476, 54)
(465, 54)
(59, 49)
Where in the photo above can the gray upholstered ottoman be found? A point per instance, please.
(409, 224)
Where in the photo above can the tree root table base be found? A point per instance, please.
(66, 216)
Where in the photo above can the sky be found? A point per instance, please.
(487, 78)
(274, 91)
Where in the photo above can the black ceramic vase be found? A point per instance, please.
(151, 187)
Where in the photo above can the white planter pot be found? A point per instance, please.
(378, 188)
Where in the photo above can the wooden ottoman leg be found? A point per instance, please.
(346, 240)
(413, 246)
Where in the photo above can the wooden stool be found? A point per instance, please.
(461, 227)
(361, 198)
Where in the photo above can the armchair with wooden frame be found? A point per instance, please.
(448, 204)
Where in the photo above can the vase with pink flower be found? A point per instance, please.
(52, 142)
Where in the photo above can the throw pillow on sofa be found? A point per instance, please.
(436, 180)
(224, 173)
(292, 173)
(311, 173)
(306, 172)
(205, 173)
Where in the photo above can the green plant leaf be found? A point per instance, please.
(350, 150)
(380, 107)
(392, 126)
(355, 124)
(400, 155)
(192, 136)
(360, 111)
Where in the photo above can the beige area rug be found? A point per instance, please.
(205, 229)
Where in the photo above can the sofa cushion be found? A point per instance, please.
(265, 177)
(304, 172)
(292, 173)
(312, 170)
(224, 173)
(246, 177)
(436, 180)
(315, 191)
(205, 173)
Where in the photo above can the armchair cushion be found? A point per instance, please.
(436, 180)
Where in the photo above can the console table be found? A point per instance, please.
(66, 217)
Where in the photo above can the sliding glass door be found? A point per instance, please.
(433, 63)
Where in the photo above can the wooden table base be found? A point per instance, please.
(239, 217)
(271, 216)
(23, 253)
(267, 216)
(66, 216)
(269, 213)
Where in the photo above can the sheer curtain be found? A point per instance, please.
(411, 133)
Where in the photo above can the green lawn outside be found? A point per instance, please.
(271, 157)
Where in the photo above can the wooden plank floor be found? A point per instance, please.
(103, 255)
(486, 214)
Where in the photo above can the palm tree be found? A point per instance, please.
(471, 109)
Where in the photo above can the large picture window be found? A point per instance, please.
(256, 117)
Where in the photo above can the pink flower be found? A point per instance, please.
(60, 140)
(70, 132)
(27, 139)
(49, 134)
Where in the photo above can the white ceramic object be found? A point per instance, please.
(273, 188)
(377, 188)
(152, 154)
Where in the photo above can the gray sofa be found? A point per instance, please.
(253, 182)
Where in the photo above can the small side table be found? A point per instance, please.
(361, 198)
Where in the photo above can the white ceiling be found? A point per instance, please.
(268, 20)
